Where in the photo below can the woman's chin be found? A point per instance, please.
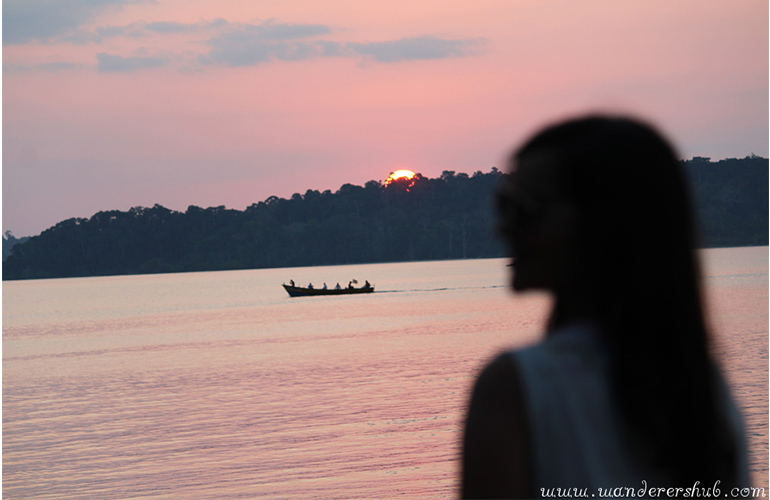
(519, 283)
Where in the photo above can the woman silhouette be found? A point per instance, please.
(622, 392)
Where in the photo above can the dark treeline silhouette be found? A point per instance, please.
(731, 198)
(10, 241)
(424, 219)
(450, 217)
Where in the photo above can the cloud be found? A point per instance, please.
(55, 66)
(330, 49)
(175, 28)
(172, 27)
(141, 29)
(108, 63)
(51, 67)
(237, 49)
(425, 47)
(14, 68)
(251, 44)
(26, 21)
(133, 30)
(272, 30)
(58, 66)
(230, 44)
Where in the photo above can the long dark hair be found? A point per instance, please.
(638, 241)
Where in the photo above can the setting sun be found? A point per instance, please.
(399, 174)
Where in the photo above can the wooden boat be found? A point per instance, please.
(299, 291)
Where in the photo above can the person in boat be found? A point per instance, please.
(338, 287)
(310, 286)
(367, 285)
(350, 284)
(325, 287)
(291, 282)
(623, 388)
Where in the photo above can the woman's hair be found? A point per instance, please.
(637, 239)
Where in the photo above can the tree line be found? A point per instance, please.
(449, 217)
(10, 241)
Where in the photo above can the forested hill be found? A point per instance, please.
(450, 217)
(10, 241)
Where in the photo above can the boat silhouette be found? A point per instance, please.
(300, 291)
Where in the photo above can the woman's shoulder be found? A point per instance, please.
(496, 452)
(505, 375)
(497, 378)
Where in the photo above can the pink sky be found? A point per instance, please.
(109, 104)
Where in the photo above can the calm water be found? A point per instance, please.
(217, 385)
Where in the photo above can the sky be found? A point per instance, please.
(111, 104)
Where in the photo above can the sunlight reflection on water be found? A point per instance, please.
(217, 385)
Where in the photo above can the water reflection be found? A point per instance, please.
(217, 385)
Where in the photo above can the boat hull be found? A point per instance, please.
(298, 291)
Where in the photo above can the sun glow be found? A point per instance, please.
(398, 175)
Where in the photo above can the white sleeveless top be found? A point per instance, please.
(577, 437)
